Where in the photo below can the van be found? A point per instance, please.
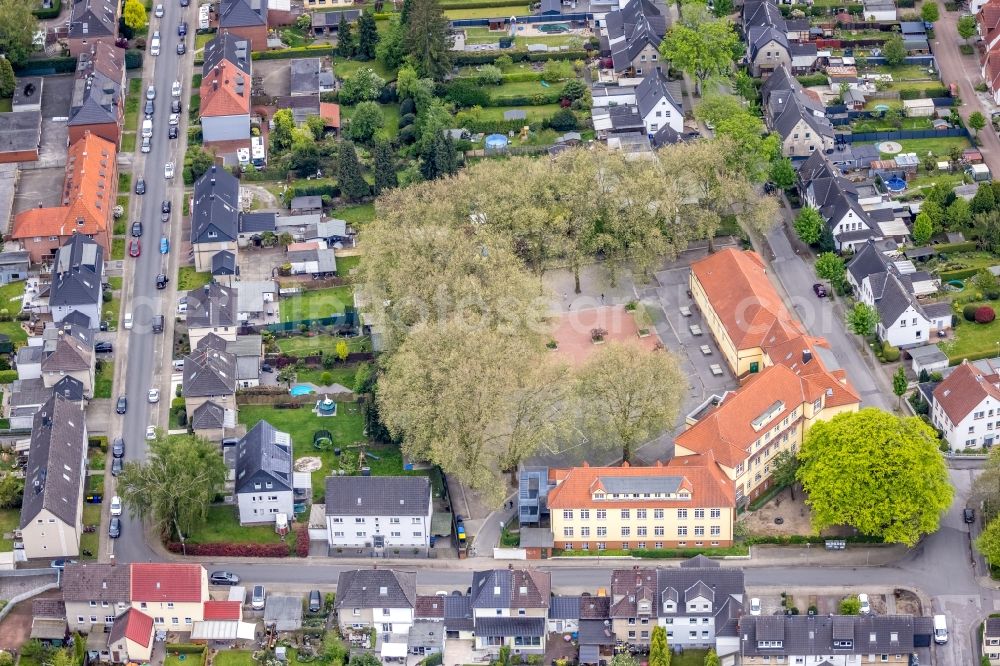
(147, 128)
(315, 602)
(940, 629)
(158, 324)
(127, 321)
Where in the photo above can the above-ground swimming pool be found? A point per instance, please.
(301, 389)
(895, 184)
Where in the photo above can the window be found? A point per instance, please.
(641, 545)
(187, 620)
(715, 513)
(418, 534)
(626, 514)
(626, 531)
(585, 514)
(682, 514)
(715, 530)
(658, 545)
(415, 521)
(93, 604)
(170, 604)
(602, 514)
(338, 534)
(567, 531)
(640, 531)
(394, 521)
(359, 520)
(640, 514)
(601, 545)
(602, 531)
(682, 531)
(658, 514)
(338, 520)
(173, 620)
(699, 531)
(658, 530)
(700, 513)
(568, 514)
(359, 534)
(585, 531)
(395, 534)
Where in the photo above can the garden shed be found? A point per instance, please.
(918, 108)
(928, 358)
(283, 613)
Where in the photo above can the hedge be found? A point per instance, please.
(313, 190)
(974, 356)
(495, 126)
(231, 549)
(802, 539)
(512, 77)
(133, 59)
(58, 65)
(296, 52)
(662, 554)
(302, 540)
(51, 13)
(480, 58)
(7, 376)
(186, 648)
(813, 80)
(959, 274)
(966, 246)
(537, 99)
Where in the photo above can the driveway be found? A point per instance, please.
(57, 94)
(964, 71)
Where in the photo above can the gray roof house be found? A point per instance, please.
(634, 35)
(264, 474)
(90, 21)
(697, 590)
(97, 91)
(209, 386)
(361, 591)
(811, 637)
(309, 78)
(52, 509)
(26, 397)
(89, 586)
(14, 266)
(227, 47)
(242, 13)
(329, 22)
(375, 506)
(215, 216)
(248, 350)
(511, 589)
(284, 613)
(212, 309)
(77, 275)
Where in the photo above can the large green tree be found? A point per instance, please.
(879, 473)
(439, 158)
(134, 15)
(367, 36)
(862, 319)
(712, 658)
(366, 120)
(700, 44)
(986, 487)
(983, 201)
(988, 542)
(894, 51)
(899, 385)
(809, 225)
(391, 48)
(345, 38)
(831, 267)
(659, 650)
(281, 135)
(17, 30)
(7, 80)
(923, 229)
(385, 167)
(784, 467)
(966, 27)
(428, 41)
(175, 486)
(929, 11)
(629, 395)
(353, 185)
(976, 121)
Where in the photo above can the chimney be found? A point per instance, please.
(807, 356)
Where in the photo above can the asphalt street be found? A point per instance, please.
(143, 359)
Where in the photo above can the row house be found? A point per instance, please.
(838, 201)
(795, 115)
(98, 104)
(988, 25)
(246, 19)
(633, 35)
(91, 22)
(380, 599)
(686, 501)
(225, 87)
(510, 608)
(209, 382)
(215, 217)
(61, 351)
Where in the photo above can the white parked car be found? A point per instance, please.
(116, 506)
(151, 92)
(168, 170)
(175, 118)
(150, 432)
(154, 44)
(175, 89)
(147, 144)
(755, 606)
(154, 395)
(865, 608)
(158, 12)
(127, 321)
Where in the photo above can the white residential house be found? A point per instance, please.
(902, 322)
(966, 407)
(383, 599)
(657, 104)
(264, 475)
(378, 514)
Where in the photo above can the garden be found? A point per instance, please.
(10, 307)
(316, 303)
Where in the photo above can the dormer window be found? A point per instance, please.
(598, 496)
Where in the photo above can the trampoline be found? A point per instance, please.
(895, 184)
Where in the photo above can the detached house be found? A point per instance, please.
(798, 118)
(225, 85)
(52, 508)
(594, 508)
(91, 22)
(172, 594)
(838, 202)
(634, 33)
(658, 105)
(991, 640)
(832, 639)
(378, 514)
(61, 352)
(510, 607)
(246, 19)
(98, 104)
(76, 281)
(264, 474)
(88, 202)
(966, 407)
(215, 217)
(210, 388)
(131, 637)
(383, 599)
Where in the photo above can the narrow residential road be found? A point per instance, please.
(964, 71)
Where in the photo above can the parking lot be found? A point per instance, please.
(39, 188)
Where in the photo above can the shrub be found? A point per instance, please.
(985, 315)
(50, 13)
(133, 59)
(969, 312)
(7, 376)
(231, 549)
(407, 107)
(302, 540)
(563, 120)
(406, 119)
(58, 65)
(297, 52)
(890, 353)
(467, 93)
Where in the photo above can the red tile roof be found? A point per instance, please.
(991, 68)
(139, 628)
(988, 20)
(88, 194)
(330, 112)
(964, 389)
(218, 92)
(699, 475)
(223, 610)
(178, 583)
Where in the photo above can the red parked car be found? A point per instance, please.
(134, 247)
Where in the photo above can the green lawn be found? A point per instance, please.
(10, 519)
(973, 340)
(689, 658)
(115, 282)
(200, 40)
(878, 125)
(344, 68)
(10, 295)
(223, 526)
(355, 215)
(132, 110)
(939, 147)
(197, 659)
(390, 117)
(316, 303)
(347, 264)
(117, 248)
(6, 104)
(188, 278)
(128, 142)
(124, 181)
(294, 37)
(301, 345)
(340, 373)
(534, 113)
(111, 310)
(105, 377)
(486, 12)
(233, 658)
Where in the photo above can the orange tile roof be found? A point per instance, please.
(727, 431)
(330, 112)
(963, 390)
(744, 299)
(699, 475)
(218, 92)
(88, 194)
(139, 628)
(819, 378)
